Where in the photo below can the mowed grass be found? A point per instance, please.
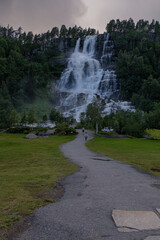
(29, 169)
(142, 153)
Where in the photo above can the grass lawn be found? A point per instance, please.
(29, 169)
(142, 153)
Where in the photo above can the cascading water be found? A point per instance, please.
(86, 78)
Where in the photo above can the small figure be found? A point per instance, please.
(86, 136)
(83, 129)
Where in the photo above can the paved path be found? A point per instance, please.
(101, 185)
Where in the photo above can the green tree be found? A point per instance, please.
(63, 31)
(56, 116)
(31, 115)
(153, 117)
(24, 118)
(93, 114)
(111, 26)
(45, 118)
(13, 118)
(54, 32)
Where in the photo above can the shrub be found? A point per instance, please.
(64, 129)
(26, 130)
(134, 129)
(129, 123)
(155, 133)
(19, 130)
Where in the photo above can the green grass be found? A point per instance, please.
(142, 153)
(155, 133)
(29, 169)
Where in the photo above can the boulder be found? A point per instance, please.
(50, 132)
(31, 136)
(42, 134)
(46, 133)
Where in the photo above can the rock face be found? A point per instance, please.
(90, 74)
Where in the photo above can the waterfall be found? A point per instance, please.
(107, 51)
(83, 71)
(77, 45)
(85, 78)
(89, 46)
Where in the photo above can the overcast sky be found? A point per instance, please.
(41, 15)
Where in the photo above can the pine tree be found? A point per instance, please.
(31, 115)
(24, 118)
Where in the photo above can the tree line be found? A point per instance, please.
(28, 65)
(125, 26)
(137, 51)
(50, 35)
(122, 122)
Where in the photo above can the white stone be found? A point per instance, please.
(126, 230)
(136, 220)
(158, 210)
(152, 238)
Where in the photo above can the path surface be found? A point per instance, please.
(85, 211)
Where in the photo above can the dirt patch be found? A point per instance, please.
(155, 185)
(19, 227)
(22, 225)
(155, 169)
(58, 191)
(101, 159)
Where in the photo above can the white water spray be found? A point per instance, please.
(84, 79)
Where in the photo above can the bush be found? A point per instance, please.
(26, 130)
(19, 130)
(64, 129)
(128, 123)
(134, 129)
(155, 133)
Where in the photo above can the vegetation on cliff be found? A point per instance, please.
(137, 48)
(30, 63)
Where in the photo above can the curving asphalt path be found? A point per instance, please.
(85, 210)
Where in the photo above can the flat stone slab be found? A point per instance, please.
(158, 210)
(136, 220)
(126, 230)
(152, 238)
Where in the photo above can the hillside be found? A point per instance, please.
(29, 64)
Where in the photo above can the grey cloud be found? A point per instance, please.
(124, 9)
(40, 15)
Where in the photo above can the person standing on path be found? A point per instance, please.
(86, 136)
